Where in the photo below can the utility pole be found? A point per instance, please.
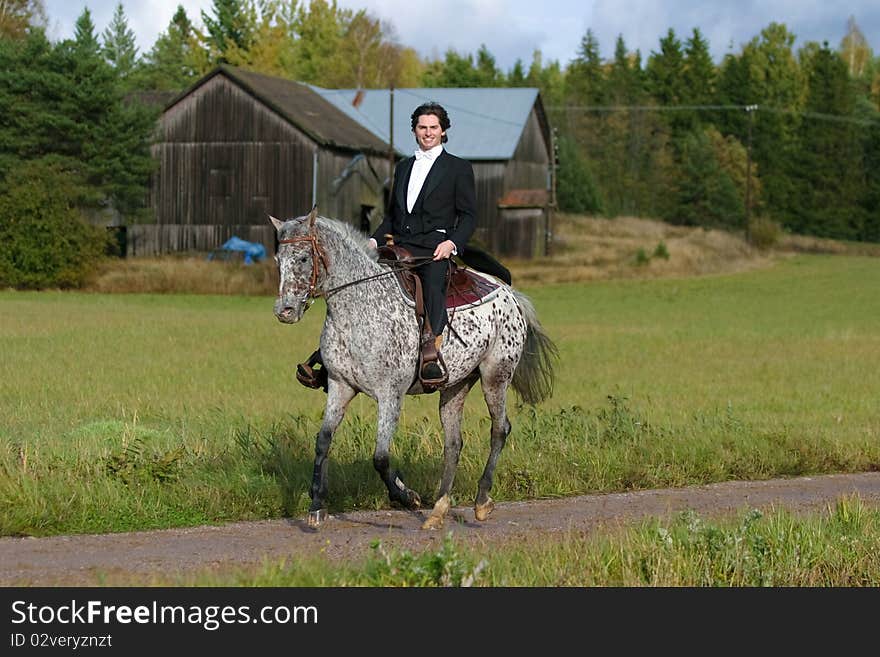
(551, 206)
(390, 146)
(750, 110)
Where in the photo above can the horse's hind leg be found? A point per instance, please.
(389, 414)
(338, 399)
(496, 400)
(451, 405)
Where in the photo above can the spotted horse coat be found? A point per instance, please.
(370, 344)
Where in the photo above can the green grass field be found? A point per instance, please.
(122, 412)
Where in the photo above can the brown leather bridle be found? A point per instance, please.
(318, 256)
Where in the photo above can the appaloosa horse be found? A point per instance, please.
(370, 344)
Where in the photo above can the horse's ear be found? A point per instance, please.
(275, 222)
(313, 215)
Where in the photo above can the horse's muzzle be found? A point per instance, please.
(289, 311)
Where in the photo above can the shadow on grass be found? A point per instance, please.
(286, 453)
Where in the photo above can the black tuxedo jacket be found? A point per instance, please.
(447, 202)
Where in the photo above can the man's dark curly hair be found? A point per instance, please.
(437, 110)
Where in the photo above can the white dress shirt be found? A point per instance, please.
(421, 167)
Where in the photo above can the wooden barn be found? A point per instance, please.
(238, 146)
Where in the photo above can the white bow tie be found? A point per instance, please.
(424, 155)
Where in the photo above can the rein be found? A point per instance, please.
(394, 266)
(318, 256)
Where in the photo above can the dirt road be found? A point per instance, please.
(134, 558)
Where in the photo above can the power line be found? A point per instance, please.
(646, 108)
(465, 110)
(723, 108)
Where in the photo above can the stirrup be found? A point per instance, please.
(312, 377)
(433, 383)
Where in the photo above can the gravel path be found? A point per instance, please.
(84, 560)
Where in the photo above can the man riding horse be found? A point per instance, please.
(432, 215)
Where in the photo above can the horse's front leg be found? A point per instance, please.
(495, 394)
(389, 414)
(451, 407)
(338, 397)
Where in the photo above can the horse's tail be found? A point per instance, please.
(534, 375)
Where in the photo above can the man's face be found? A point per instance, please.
(428, 131)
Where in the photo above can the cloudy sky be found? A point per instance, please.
(513, 29)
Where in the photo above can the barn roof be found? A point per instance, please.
(301, 106)
(486, 123)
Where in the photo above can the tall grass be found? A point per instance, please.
(134, 411)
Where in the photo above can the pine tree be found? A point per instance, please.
(584, 79)
(231, 23)
(68, 146)
(665, 74)
(84, 35)
(734, 88)
(488, 74)
(119, 44)
(172, 63)
(775, 84)
(576, 190)
(699, 77)
(665, 71)
(831, 156)
(623, 84)
(27, 128)
(871, 198)
(69, 110)
(707, 196)
(517, 75)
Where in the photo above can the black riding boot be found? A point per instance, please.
(432, 370)
(310, 374)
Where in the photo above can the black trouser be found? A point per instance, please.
(433, 275)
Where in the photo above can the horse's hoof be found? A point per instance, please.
(482, 511)
(406, 497)
(317, 517)
(433, 522)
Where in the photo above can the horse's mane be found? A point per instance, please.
(348, 234)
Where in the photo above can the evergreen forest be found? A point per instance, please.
(768, 134)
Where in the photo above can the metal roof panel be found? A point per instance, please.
(486, 123)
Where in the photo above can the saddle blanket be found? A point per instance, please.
(467, 288)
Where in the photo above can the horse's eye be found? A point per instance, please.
(304, 259)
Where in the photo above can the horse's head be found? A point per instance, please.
(299, 258)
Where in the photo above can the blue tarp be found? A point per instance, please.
(252, 250)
